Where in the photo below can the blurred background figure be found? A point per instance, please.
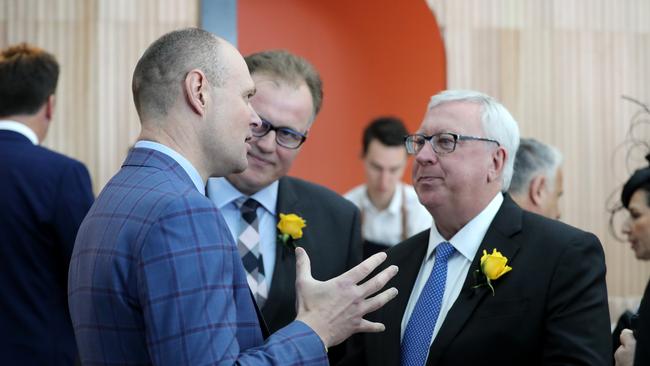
(537, 179)
(635, 342)
(44, 196)
(390, 210)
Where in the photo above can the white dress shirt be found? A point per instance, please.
(466, 242)
(224, 195)
(20, 128)
(385, 226)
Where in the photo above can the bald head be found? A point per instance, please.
(159, 74)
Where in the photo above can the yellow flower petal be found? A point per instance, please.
(494, 265)
(292, 225)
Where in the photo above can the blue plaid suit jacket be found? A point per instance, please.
(155, 278)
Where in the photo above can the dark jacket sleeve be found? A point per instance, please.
(577, 324)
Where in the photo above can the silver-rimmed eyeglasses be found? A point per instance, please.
(442, 143)
(284, 136)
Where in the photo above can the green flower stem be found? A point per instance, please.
(489, 283)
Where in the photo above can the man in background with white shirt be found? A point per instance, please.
(490, 283)
(44, 196)
(390, 210)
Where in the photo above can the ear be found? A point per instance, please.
(49, 107)
(537, 190)
(196, 89)
(498, 162)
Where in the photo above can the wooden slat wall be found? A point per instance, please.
(97, 43)
(561, 67)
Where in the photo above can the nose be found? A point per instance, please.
(426, 155)
(385, 179)
(256, 121)
(627, 227)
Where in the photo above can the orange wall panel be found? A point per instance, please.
(376, 58)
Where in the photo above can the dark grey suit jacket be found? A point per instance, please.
(332, 239)
(551, 309)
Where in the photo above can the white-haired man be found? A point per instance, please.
(537, 180)
(489, 284)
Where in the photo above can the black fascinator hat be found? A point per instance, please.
(638, 179)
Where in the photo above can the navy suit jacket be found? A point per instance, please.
(551, 309)
(156, 278)
(43, 198)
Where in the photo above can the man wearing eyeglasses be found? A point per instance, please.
(288, 98)
(489, 284)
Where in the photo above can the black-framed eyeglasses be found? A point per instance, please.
(442, 143)
(284, 136)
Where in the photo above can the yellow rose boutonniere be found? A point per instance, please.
(493, 266)
(290, 227)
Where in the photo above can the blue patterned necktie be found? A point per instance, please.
(248, 243)
(417, 336)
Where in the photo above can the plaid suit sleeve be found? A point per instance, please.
(195, 301)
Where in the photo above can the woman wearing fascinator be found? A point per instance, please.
(635, 198)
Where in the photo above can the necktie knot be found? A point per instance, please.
(444, 251)
(248, 209)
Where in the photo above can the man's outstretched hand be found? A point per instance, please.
(334, 309)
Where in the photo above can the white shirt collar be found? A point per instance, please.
(180, 159)
(222, 193)
(20, 128)
(468, 239)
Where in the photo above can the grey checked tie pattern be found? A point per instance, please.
(419, 329)
(248, 243)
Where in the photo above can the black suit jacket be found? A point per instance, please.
(550, 309)
(44, 196)
(332, 239)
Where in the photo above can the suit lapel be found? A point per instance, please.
(391, 314)
(505, 225)
(284, 273)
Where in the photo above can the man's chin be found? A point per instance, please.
(247, 181)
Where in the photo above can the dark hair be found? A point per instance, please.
(639, 180)
(164, 65)
(390, 131)
(290, 68)
(28, 76)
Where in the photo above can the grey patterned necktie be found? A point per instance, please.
(248, 243)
